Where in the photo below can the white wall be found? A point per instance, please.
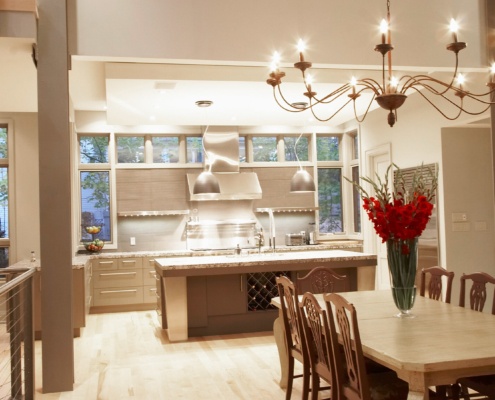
(26, 224)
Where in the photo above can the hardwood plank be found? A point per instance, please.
(128, 355)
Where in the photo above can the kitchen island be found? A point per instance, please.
(211, 295)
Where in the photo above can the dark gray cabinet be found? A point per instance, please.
(226, 294)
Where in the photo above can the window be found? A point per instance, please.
(4, 196)
(194, 149)
(94, 183)
(165, 149)
(264, 149)
(95, 204)
(328, 148)
(330, 200)
(130, 149)
(301, 148)
(93, 149)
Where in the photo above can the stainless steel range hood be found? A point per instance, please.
(222, 148)
(233, 186)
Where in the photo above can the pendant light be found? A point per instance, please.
(206, 182)
(302, 181)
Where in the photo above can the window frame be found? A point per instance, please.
(9, 163)
(345, 163)
(95, 167)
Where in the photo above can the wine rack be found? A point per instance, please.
(262, 287)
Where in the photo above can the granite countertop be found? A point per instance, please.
(215, 261)
(81, 260)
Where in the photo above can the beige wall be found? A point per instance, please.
(250, 31)
(468, 184)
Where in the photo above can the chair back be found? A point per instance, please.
(322, 280)
(318, 342)
(477, 293)
(290, 317)
(435, 283)
(350, 372)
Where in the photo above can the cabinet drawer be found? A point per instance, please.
(116, 297)
(129, 263)
(149, 294)
(118, 278)
(149, 276)
(99, 264)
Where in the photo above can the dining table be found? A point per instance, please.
(440, 344)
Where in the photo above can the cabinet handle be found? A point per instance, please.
(152, 273)
(118, 273)
(128, 261)
(118, 291)
(105, 262)
(242, 281)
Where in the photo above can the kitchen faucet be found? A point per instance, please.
(272, 229)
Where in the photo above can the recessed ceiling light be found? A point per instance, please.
(301, 105)
(204, 103)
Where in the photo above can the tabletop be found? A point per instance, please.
(441, 344)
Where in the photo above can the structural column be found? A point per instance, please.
(55, 198)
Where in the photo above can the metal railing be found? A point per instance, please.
(16, 334)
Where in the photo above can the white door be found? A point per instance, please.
(378, 160)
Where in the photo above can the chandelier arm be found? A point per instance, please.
(473, 96)
(365, 113)
(333, 115)
(412, 80)
(440, 111)
(294, 110)
(371, 84)
(335, 94)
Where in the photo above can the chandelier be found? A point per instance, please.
(391, 92)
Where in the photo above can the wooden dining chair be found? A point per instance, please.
(322, 280)
(294, 338)
(317, 339)
(435, 284)
(477, 385)
(352, 380)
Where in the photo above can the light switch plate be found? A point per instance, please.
(133, 241)
(459, 217)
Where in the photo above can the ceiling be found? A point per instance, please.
(135, 93)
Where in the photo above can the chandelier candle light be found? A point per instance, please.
(399, 216)
(391, 92)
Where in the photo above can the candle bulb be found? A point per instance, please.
(309, 81)
(353, 84)
(453, 28)
(383, 29)
(492, 71)
(460, 80)
(301, 47)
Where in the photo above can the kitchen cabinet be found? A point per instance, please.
(220, 283)
(122, 284)
(81, 298)
(226, 294)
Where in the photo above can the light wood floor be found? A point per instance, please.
(128, 356)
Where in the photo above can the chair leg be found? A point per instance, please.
(306, 378)
(315, 385)
(290, 378)
(455, 391)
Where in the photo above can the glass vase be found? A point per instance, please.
(402, 256)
